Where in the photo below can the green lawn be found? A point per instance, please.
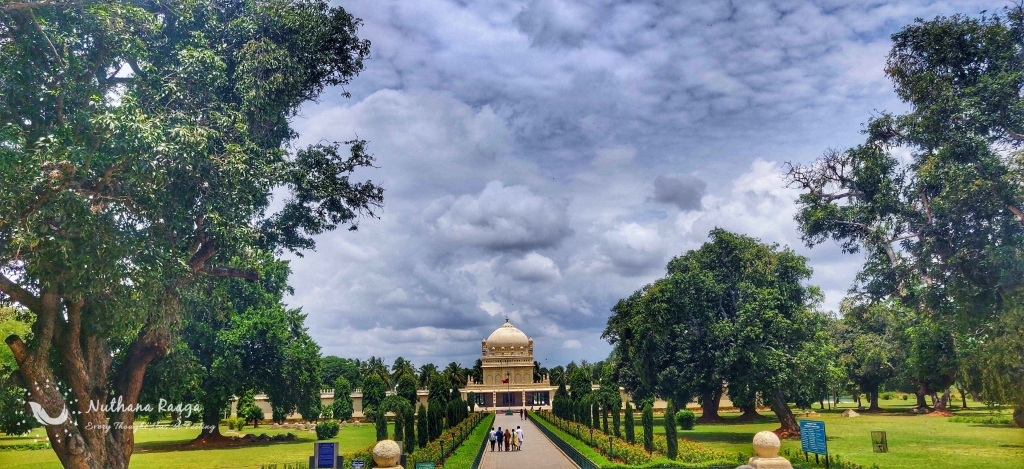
(160, 449)
(915, 441)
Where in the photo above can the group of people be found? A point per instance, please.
(507, 440)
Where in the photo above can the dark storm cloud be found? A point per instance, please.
(684, 192)
(519, 140)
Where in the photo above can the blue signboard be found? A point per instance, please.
(812, 437)
(326, 454)
(424, 465)
(358, 464)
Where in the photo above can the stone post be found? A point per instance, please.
(766, 448)
(386, 454)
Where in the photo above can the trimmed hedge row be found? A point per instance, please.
(444, 445)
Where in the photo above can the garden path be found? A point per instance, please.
(537, 452)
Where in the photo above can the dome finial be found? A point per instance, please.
(506, 318)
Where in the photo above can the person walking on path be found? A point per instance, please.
(519, 437)
(499, 437)
(520, 414)
(508, 439)
(493, 436)
(515, 441)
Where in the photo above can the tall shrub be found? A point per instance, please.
(671, 440)
(410, 429)
(595, 413)
(342, 407)
(399, 424)
(616, 416)
(647, 420)
(380, 420)
(630, 426)
(471, 397)
(422, 426)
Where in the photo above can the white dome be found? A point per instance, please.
(507, 336)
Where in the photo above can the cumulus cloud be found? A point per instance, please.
(501, 218)
(533, 268)
(518, 142)
(684, 192)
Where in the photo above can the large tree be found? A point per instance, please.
(934, 197)
(735, 310)
(140, 143)
(871, 345)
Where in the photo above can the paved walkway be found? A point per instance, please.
(538, 451)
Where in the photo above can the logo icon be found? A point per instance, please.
(43, 418)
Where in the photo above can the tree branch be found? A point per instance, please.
(19, 294)
(230, 272)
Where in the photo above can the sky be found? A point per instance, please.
(543, 159)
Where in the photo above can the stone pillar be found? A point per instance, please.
(523, 402)
(386, 454)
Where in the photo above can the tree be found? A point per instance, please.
(426, 374)
(557, 376)
(374, 391)
(733, 310)
(375, 366)
(942, 230)
(630, 426)
(248, 410)
(580, 384)
(932, 362)
(342, 407)
(647, 420)
(439, 390)
(435, 419)
(332, 367)
(422, 426)
(149, 165)
(456, 374)
(407, 388)
(380, 422)
(560, 401)
(471, 399)
(870, 345)
(400, 368)
(410, 429)
(671, 440)
(616, 406)
(628, 423)
(477, 372)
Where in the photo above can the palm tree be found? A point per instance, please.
(401, 367)
(427, 372)
(557, 375)
(376, 366)
(456, 374)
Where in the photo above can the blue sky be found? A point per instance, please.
(543, 159)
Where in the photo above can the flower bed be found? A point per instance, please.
(620, 450)
(689, 451)
(445, 445)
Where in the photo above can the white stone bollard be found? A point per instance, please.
(766, 447)
(386, 454)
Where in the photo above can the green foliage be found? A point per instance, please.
(439, 389)
(686, 419)
(332, 367)
(422, 426)
(580, 384)
(471, 400)
(342, 407)
(435, 420)
(442, 446)
(374, 391)
(147, 170)
(380, 421)
(409, 419)
(628, 422)
(671, 440)
(327, 430)
(407, 388)
(942, 228)
(647, 421)
(735, 310)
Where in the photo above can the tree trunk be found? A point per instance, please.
(709, 404)
(859, 405)
(211, 426)
(788, 427)
(749, 412)
(873, 397)
(1018, 416)
(963, 397)
(922, 405)
(942, 401)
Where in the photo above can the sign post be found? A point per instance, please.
(879, 442)
(812, 439)
(326, 454)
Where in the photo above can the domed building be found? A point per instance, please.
(507, 359)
